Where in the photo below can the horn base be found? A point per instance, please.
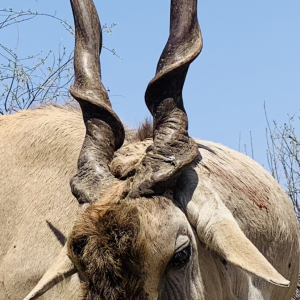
(172, 151)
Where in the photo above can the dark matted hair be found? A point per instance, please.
(109, 253)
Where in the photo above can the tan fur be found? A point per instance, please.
(36, 146)
(128, 158)
(259, 205)
(38, 156)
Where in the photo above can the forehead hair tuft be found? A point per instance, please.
(109, 245)
(108, 250)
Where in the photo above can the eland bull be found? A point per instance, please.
(151, 219)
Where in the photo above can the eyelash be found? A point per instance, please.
(182, 257)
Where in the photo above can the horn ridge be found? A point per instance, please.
(104, 130)
(185, 42)
(173, 150)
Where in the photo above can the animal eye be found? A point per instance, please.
(182, 257)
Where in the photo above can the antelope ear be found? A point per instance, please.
(217, 228)
(61, 269)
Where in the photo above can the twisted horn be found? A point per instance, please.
(104, 130)
(173, 149)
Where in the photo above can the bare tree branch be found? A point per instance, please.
(37, 78)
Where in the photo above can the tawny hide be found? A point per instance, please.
(38, 152)
(156, 221)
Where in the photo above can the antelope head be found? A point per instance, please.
(133, 242)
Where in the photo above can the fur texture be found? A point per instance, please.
(107, 248)
(38, 154)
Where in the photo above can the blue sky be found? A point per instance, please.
(251, 55)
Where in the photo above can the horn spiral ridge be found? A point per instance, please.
(173, 149)
(104, 131)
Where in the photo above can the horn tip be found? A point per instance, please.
(283, 282)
